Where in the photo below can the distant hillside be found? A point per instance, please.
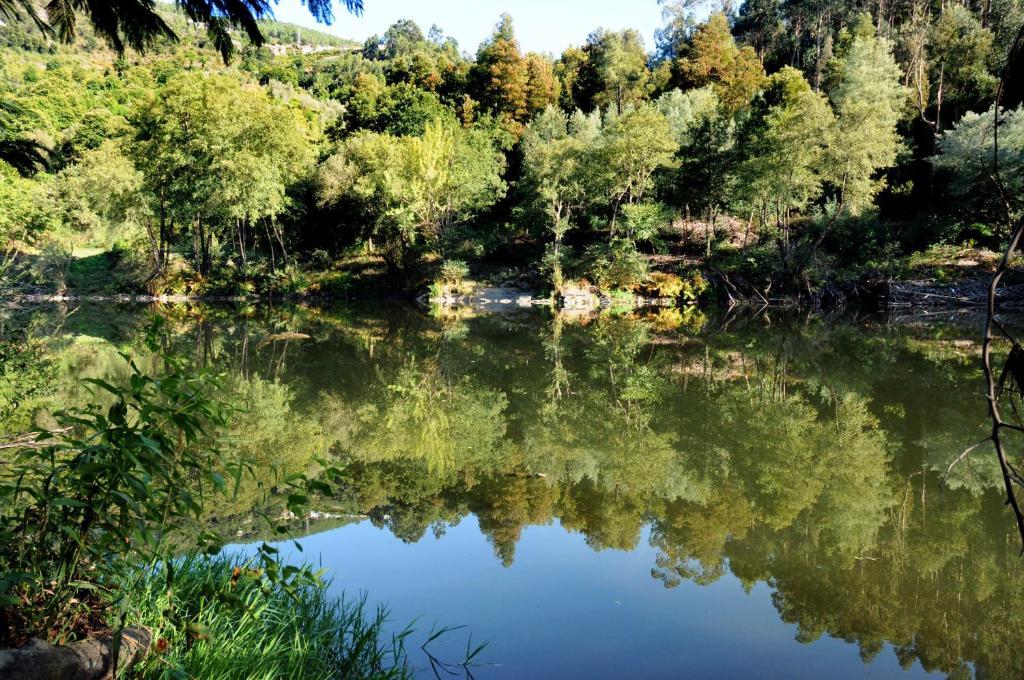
(280, 33)
(276, 32)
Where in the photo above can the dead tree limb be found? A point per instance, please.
(994, 387)
(1014, 365)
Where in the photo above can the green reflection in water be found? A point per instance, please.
(806, 455)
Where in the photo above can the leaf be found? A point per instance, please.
(197, 631)
(103, 384)
(67, 502)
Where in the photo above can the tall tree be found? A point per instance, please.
(866, 94)
(415, 189)
(684, 110)
(713, 58)
(634, 145)
(967, 151)
(759, 24)
(785, 143)
(960, 54)
(614, 71)
(670, 39)
(555, 170)
(217, 157)
(542, 88)
(868, 99)
(569, 70)
(500, 76)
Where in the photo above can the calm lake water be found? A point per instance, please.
(656, 497)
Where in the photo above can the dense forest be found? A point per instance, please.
(798, 145)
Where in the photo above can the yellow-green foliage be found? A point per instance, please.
(693, 286)
(667, 285)
(424, 416)
(666, 319)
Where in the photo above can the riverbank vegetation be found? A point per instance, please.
(265, 632)
(781, 148)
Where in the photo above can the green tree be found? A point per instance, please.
(967, 151)
(868, 99)
(614, 71)
(26, 212)
(416, 188)
(25, 155)
(555, 159)
(684, 110)
(100, 199)
(960, 54)
(218, 157)
(400, 110)
(500, 76)
(713, 58)
(670, 39)
(569, 71)
(634, 145)
(759, 24)
(785, 143)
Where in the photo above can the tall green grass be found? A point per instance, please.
(273, 634)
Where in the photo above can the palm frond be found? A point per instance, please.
(11, 107)
(24, 155)
(137, 24)
(14, 9)
(61, 15)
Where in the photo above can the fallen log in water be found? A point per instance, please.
(968, 293)
(84, 660)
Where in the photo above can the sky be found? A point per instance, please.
(541, 25)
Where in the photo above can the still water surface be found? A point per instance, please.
(654, 497)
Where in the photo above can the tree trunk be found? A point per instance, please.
(709, 232)
(154, 248)
(197, 249)
(280, 241)
(207, 240)
(270, 244)
(241, 242)
(165, 242)
(746, 233)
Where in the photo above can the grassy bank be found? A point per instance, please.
(246, 627)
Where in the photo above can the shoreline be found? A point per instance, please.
(895, 295)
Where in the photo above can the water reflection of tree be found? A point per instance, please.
(803, 458)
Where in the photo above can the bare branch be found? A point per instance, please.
(963, 455)
(994, 386)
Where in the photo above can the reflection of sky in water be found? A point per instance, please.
(563, 610)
